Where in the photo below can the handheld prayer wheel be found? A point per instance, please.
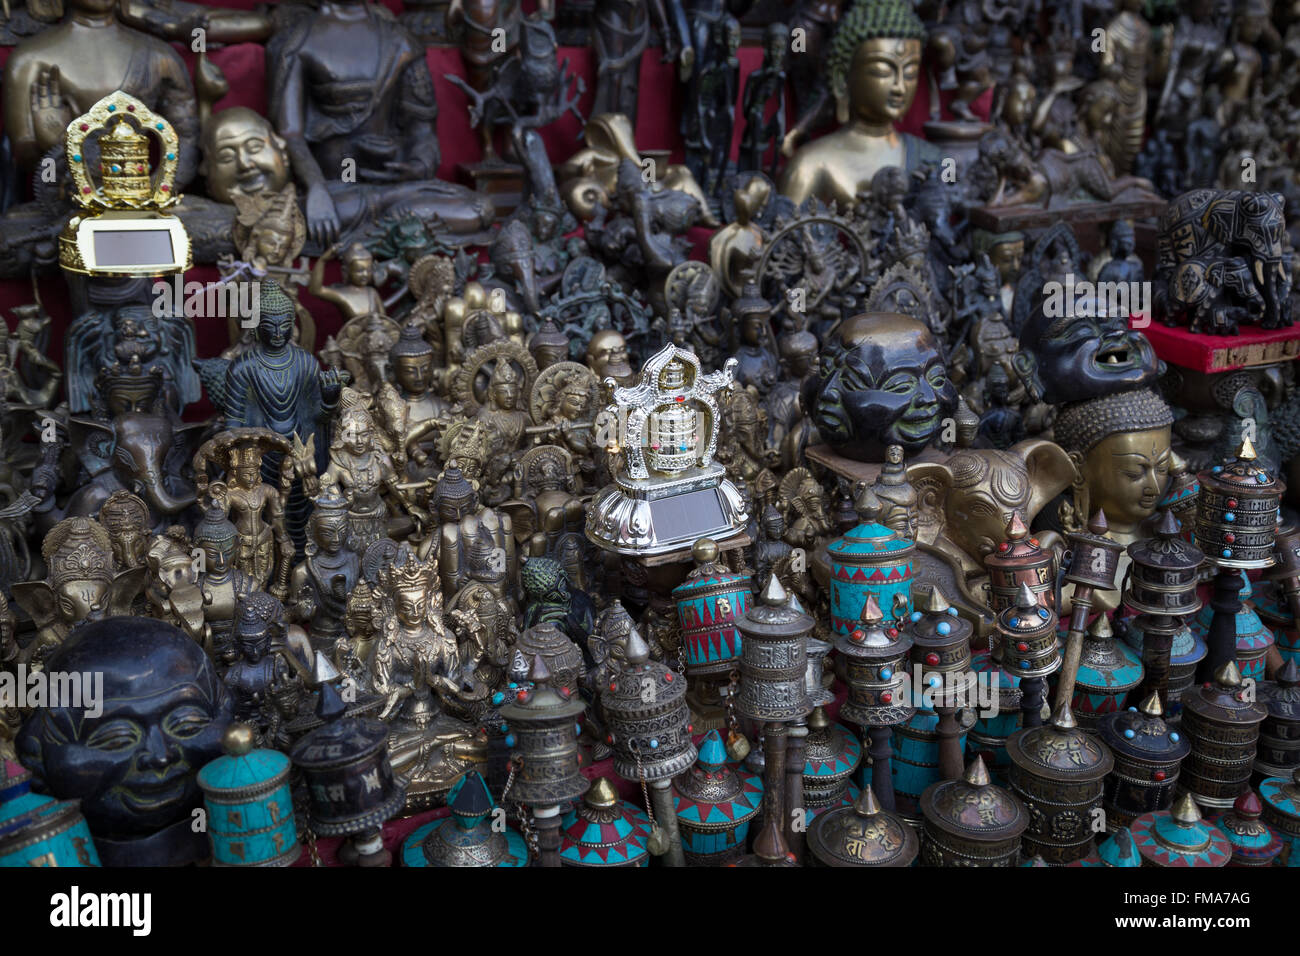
(1236, 527)
(650, 731)
(971, 822)
(469, 836)
(929, 745)
(1020, 559)
(37, 830)
(249, 806)
(872, 559)
(1223, 726)
(604, 831)
(709, 602)
(1108, 670)
(1281, 797)
(1094, 560)
(649, 722)
(1148, 755)
(1278, 752)
(875, 661)
(1186, 652)
(1029, 650)
(831, 754)
(1163, 574)
(543, 722)
(1236, 513)
(772, 669)
(1057, 771)
(1253, 841)
(773, 692)
(862, 834)
(344, 763)
(1179, 838)
(715, 804)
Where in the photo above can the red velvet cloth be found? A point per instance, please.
(1223, 353)
(245, 69)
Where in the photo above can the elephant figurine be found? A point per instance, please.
(965, 503)
(1222, 254)
(143, 448)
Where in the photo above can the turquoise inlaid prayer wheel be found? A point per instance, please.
(249, 806)
(870, 559)
(37, 830)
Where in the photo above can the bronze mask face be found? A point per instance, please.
(882, 382)
(1126, 474)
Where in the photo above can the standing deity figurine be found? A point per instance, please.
(320, 585)
(280, 386)
(256, 507)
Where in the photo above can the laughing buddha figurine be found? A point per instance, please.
(874, 66)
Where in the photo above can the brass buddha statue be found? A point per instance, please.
(243, 155)
(60, 73)
(874, 67)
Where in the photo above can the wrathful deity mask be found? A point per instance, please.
(882, 382)
(1083, 355)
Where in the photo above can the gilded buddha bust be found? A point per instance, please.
(874, 66)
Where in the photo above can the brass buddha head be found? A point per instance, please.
(1120, 447)
(875, 61)
(243, 156)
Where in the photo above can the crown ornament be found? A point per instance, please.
(78, 549)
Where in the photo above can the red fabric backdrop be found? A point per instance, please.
(245, 69)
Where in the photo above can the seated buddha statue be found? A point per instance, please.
(874, 65)
(350, 92)
(60, 73)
